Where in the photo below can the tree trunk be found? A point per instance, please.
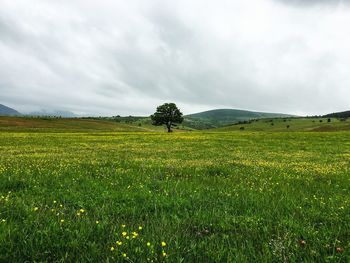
(169, 127)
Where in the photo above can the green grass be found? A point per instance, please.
(141, 124)
(211, 197)
(41, 124)
(50, 124)
(295, 124)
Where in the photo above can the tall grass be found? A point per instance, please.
(184, 197)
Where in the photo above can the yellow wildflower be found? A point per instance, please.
(123, 226)
(97, 222)
(163, 244)
(124, 234)
(124, 255)
(36, 209)
(112, 248)
(119, 243)
(164, 254)
(140, 227)
(148, 244)
(62, 220)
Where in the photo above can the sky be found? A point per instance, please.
(117, 57)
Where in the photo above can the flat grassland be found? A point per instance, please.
(180, 197)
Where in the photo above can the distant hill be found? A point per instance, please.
(57, 113)
(224, 117)
(7, 111)
(343, 114)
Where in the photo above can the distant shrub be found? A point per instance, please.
(272, 124)
(321, 120)
(329, 120)
(241, 128)
(288, 126)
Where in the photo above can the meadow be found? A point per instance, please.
(183, 197)
(291, 125)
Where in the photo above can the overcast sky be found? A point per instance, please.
(109, 57)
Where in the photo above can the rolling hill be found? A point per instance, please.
(47, 124)
(299, 124)
(224, 117)
(7, 111)
(343, 114)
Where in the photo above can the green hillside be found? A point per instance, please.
(223, 117)
(343, 114)
(290, 124)
(197, 121)
(71, 125)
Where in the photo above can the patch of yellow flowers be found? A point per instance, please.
(80, 212)
(134, 235)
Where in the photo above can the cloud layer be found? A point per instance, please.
(113, 57)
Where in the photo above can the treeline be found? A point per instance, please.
(118, 118)
(340, 115)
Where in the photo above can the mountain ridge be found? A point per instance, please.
(7, 111)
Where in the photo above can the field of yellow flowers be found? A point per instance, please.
(181, 197)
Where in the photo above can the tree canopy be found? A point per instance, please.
(167, 114)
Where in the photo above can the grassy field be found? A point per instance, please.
(41, 124)
(291, 124)
(180, 197)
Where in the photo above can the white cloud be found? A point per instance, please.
(115, 57)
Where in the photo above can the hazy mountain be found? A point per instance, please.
(7, 111)
(223, 117)
(56, 113)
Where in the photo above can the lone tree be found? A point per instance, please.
(167, 114)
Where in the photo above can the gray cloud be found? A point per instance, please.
(112, 57)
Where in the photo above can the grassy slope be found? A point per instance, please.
(296, 124)
(143, 125)
(70, 125)
(212, 197)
